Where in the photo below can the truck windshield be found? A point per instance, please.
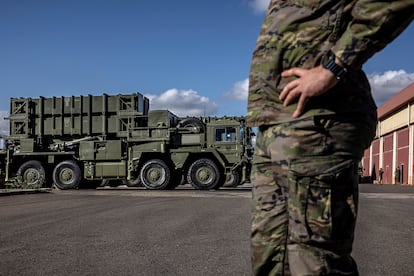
(226, 134)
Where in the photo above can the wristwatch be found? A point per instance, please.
(329, 63)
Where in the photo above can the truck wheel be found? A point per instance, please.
(67, 175)
(232, 179)
(31, 174)
(155, 174)
(204, 174)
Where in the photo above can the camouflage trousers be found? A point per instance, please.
(305, 195)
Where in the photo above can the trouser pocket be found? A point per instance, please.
(322, 200)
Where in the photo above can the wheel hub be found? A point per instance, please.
(66, 175)
(31, 176)
(154, 175)
(204, 175)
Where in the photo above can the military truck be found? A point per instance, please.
(65, 141)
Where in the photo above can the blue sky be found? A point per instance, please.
(191, 57)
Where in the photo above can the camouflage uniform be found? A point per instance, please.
(304, 173)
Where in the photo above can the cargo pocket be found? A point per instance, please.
(322, 206)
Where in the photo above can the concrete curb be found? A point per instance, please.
(8, 192)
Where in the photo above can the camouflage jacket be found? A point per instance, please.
(299, 33)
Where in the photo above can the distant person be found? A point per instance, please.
(381, 174)
(315, 115)
(397, 175)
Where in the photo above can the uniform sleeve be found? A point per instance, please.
(374, 24)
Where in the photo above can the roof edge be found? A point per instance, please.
(397, 101)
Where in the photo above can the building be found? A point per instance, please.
(391, 154)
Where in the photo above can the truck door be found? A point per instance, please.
(226, 141)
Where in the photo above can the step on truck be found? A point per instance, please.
(118, 140)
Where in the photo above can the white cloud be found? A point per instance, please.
(387, 84)
(183, 103)
(239, 90)
(259, 6)
(4, 124)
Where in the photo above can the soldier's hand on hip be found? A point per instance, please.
(309, 83)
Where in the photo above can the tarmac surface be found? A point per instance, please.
(125, 231)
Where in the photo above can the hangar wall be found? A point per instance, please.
(390, 158)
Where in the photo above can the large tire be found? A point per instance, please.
(233, 179)
(155, 175)
(67, 175)
(204, 174)
(31, 174)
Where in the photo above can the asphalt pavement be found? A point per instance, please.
(127, 231)
(385, 230)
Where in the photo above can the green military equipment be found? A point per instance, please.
(118, 139)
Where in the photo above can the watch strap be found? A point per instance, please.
(332, 66)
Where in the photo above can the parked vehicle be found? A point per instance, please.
(64, 141)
